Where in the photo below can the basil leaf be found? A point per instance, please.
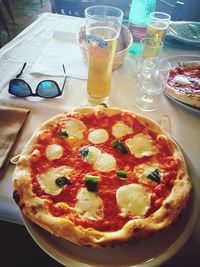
(122, 174)
(91, 182)
(91, 178)
(64, 133)
(62, 181)
(118, 145)
(84, 151)
(154, 176)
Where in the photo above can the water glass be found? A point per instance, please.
(153, 78)
(103, 25)
(147, 49)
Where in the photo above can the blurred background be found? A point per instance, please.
(16, 15)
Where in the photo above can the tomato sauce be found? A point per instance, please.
(193, 88)
(110, 182)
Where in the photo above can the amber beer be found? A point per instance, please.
(103, 25)
(155, 34)
(101, 50)
(156, 30)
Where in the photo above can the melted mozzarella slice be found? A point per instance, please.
(98, 136)
(120, 129)
(89, 205)
(141, 145)
(105, 163)
(54, 151)
(93, 155)
(133, 199)
(47, 179)
(181, 80)
(74, 128)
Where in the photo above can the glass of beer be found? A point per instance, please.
(103, 26)
(157, 26)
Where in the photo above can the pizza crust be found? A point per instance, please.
(192, 100)
(36, 209)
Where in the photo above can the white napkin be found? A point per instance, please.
(61, 49)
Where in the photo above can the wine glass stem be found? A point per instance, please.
(148, 98)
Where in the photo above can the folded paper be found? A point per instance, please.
(61, 49)
(11, 123)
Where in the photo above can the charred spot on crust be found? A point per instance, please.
(136, 230)
(35, 209)
(16, 197)
(167, 205)
(104, 104)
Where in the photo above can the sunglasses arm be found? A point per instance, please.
(19, 74)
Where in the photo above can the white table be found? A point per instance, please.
(26, 47)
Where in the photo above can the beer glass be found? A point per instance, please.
(103, 25)
(157, 26)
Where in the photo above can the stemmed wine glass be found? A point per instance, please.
(153, 76)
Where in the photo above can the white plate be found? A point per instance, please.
(174, 60)
(191, 108)
(150, 252)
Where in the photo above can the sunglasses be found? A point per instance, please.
(46, 88)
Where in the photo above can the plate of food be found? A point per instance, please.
(184, 31)
(102, 186)
(183, 85)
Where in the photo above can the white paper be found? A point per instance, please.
(62, 48)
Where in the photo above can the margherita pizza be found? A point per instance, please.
(101, 176)
(184, 83)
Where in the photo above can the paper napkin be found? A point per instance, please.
(11, 123)
(61, 49)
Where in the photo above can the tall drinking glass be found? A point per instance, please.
(157, 26)
(103, 25)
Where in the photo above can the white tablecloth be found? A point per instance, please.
(27, 47)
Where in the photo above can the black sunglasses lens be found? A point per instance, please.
(48, 89)
(19, 88)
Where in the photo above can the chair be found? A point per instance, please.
(171, 7)
(8, 9)
(3, 21)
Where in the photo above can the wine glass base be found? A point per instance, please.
(145, 103)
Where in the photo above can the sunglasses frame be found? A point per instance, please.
(37, 88)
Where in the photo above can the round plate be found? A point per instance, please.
(184, 31)
(185, 106)
(174, 60)
(146, 253)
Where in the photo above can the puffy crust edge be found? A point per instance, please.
(36, 209)
(192, 100)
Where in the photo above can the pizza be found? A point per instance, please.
(184, 83)
(101, 176)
